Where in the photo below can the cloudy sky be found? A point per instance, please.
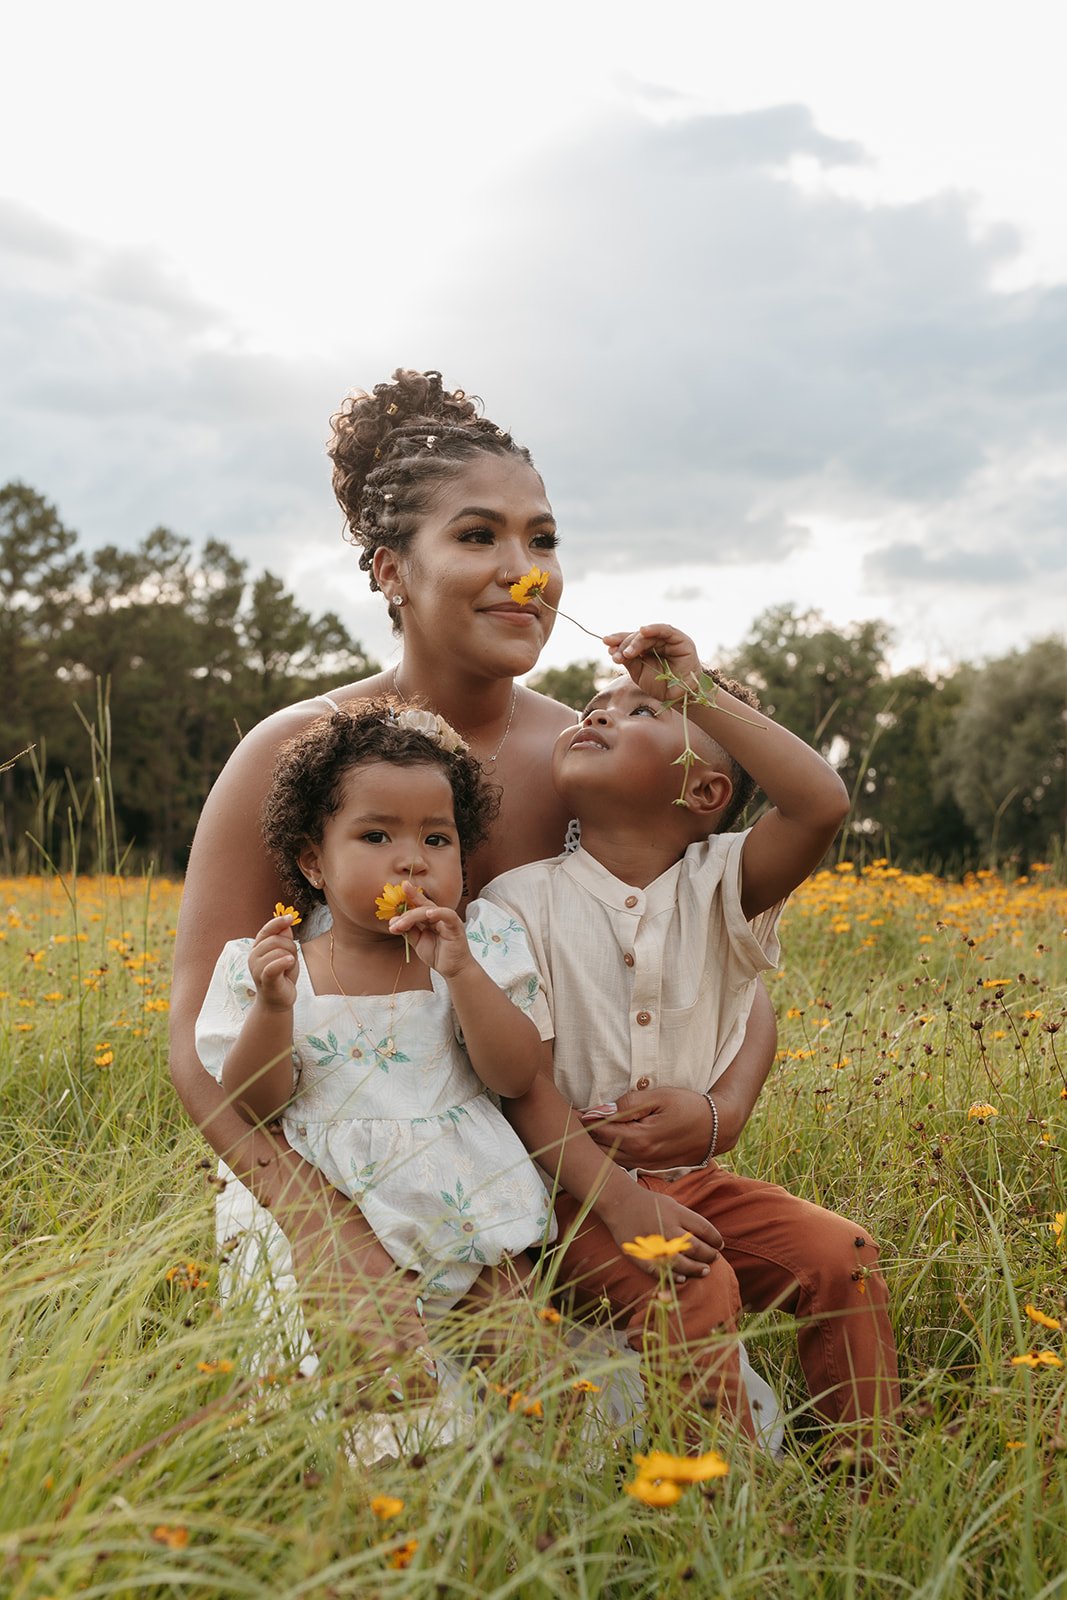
(777, 295)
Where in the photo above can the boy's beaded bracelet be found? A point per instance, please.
(714, 1126)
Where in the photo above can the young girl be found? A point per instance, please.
(376, 1051)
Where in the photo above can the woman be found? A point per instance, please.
(448, 511)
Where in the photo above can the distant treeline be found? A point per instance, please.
(134, 673)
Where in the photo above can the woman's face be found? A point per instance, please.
(488, 522)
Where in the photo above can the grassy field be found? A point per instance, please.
(920, 1087)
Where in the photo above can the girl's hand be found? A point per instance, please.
(272, 961)
(646, 652)
(436, 934)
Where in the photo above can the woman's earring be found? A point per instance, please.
(396, 600)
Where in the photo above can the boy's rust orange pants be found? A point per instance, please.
(778, 1253)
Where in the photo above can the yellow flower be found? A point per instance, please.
(793, 1012)
(982, 1110)
(681, 1469)
(996, 983)
(404, 1554)
(390, 903)
(386, 1506)
(583, 1386)
(547, 1314)
(291, 912)
(529, 1408)
(1058, 1226)
(1043, 1358)
(1042, 1320)
(173, 1538)
(104, 1056)
(654, 1247)
(212, 1367)
(651, 1493)
(534, 582)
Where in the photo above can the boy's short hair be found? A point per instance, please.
(307, 786)
(744, 783)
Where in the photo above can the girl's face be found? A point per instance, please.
(488, 523)
(394, 822)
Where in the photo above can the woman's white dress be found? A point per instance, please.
(389, 1109)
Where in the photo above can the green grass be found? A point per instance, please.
(128, 1470)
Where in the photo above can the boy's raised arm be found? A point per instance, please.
(809, 801)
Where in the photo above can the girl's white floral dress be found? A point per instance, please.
(388, 1107)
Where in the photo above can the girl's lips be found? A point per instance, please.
(588, 741)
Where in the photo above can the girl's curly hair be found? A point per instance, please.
(392, 447)
(307, 786)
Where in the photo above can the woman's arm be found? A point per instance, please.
(551, 1131)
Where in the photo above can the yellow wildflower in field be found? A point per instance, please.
(1058, 1225)
(173, 1538)
(996, 983)
(660, 1477)
(654, 1247)
(104, 1056)
(404, 1554)
(520, 1401)
(1042, 1320)
(653, 1493)
(583, 1386)
(1042, 1358)
(982, 1110)
(550, 1315)
(210, 1368)
(386, 1506)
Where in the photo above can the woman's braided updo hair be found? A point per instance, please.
(392, 447)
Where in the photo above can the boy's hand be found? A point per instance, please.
(642, 1213)
(666, 1127)
(272, 962)
(645, 653)
(436, 934)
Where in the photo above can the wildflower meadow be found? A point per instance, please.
(149, 1448)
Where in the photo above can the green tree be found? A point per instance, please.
(906, 802)
(827, 686)
(1004, 758)
(573, 685)
(39, 573)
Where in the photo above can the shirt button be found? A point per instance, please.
(644, 1018)
(629, 958)
(642, 1083)
(631, 901)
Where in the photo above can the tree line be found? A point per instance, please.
(133, 673)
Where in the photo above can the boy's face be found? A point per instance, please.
(625, 746)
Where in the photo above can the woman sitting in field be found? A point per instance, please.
(448, 511)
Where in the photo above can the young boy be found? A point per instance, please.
(649, 939)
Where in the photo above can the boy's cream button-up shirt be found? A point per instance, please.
(646, 987)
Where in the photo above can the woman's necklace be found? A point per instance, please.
(489, 764)
(386, 1047)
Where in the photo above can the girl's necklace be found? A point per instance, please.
(489, 764)
(387, 1046)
